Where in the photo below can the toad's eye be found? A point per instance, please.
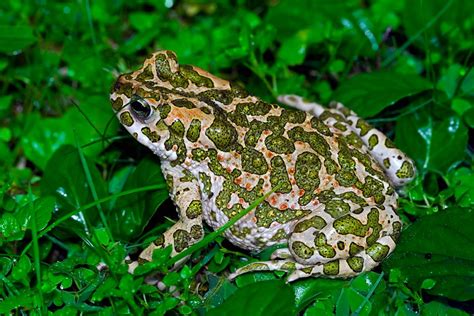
(141, 108)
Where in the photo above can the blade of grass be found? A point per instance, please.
(91, 185)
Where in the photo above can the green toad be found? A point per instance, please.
(221, 148)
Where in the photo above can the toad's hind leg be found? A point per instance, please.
(339, 247)
(397, 166)
(185, 192)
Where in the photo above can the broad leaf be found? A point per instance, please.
(439, 247)
(14, 38)
(435, 144)
(262, 298)
(369, 93)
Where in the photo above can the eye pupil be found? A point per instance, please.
(141, 108)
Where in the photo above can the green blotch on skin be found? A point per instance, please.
(340, 126)
(164, 111)
(378, 252)
(307, 169)
(315, 140)
(196, 232)
(319, 125)
(406, 171)
(199, 154)
(323, 248)
(279, 175)
(354, 140)
(331, 268)
(190, 74)
(302, 250)
(349, 225)
(341, 245)
(363, 126)
(183, 103)
(146, 74)
(253, 161)
(253, 134)
(397, 228)
(238, 90)
(164, 72)
(373, 222)
(354, 249)
(346, 178)
(181, 240)
(293, 116)
(327, 114)
(194, 130)
(123, 88)
(255, 109)
(160, 241)
(266, 215)
(279, 235)
(222, 134)
(194, 209)
(126, 118)
(337, 208)
(210, 96)
(279, 144)
(386, 163)
(151, 135)
(316, 221)
(373, 188)
(215, 166)
(117, 104)
(356, 263)
(373, 141)
(176, 138)
(389, 143)
(177, 127)
(206, 181)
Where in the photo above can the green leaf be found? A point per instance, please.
(42, 209)
(14, 38)
(292, 51)
(24, 299)
(5, 102)
(10, 229)
(308, 289)
(132, 213)
(21, 268)
(369, 93)
(65, 179)
(274, 298)
(435, 144)
(44, 136)
(437, 308)
(438, 247)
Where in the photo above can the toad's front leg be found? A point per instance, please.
(185, 193)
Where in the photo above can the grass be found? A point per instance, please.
(76, 190)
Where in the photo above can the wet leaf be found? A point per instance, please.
(434, 143)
